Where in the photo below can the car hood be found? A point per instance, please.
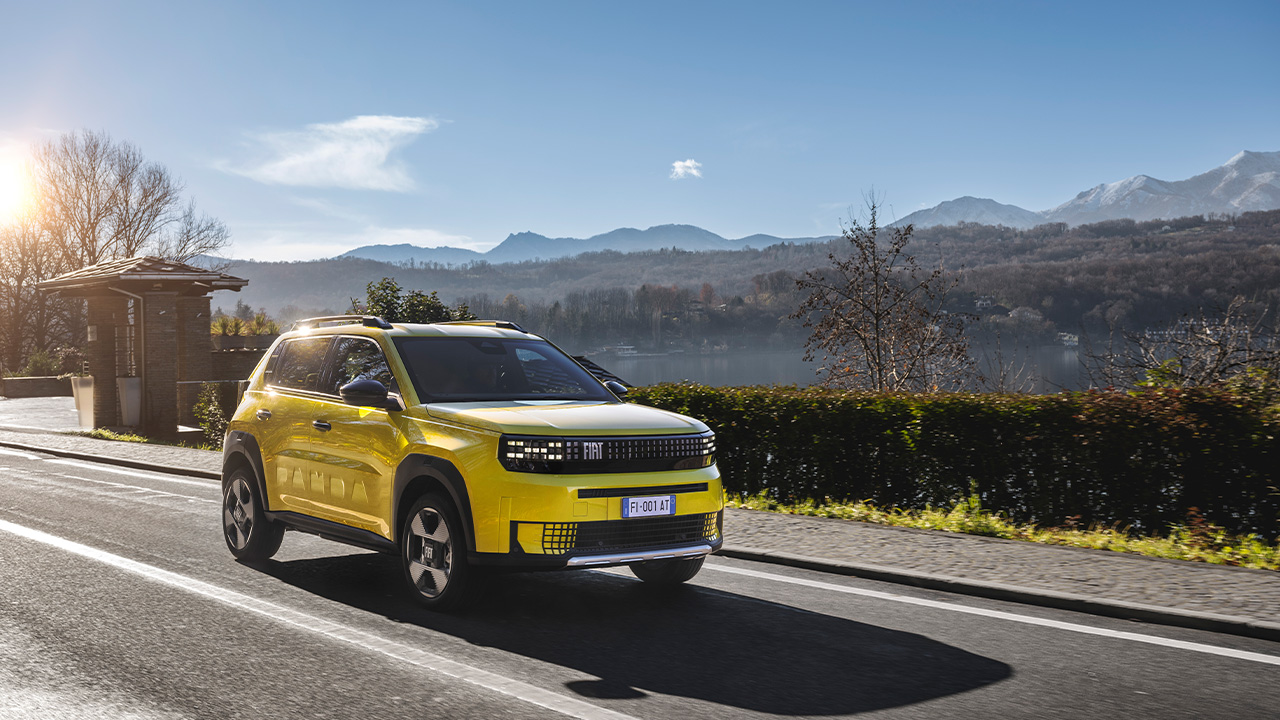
(544, 417)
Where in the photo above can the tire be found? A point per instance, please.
(667, 572)
(250, 536)
(433, 552)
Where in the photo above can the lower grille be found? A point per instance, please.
(607, 536)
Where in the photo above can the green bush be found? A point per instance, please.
(210, 414)
(1137, 460)
(41, 364)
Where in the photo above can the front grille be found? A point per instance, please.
(606, 536)
(639, 448)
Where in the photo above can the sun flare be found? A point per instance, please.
(15, 188)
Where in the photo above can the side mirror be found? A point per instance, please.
(616, 387)
(368, 393)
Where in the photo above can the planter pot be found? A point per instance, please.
(82, 391)
(262, 342)
(130, 389)
(217, 341)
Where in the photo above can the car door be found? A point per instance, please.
(356, 449)
(284, 422)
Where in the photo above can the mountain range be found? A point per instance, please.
(1248, 181)
(519, 247)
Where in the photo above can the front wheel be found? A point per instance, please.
(434, 554)
(667, 572)
(250, 536)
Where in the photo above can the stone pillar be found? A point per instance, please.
(160, 364)
(194, 348)
(104, 314)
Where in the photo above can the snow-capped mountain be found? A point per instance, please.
(1248, 181)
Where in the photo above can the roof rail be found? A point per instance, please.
(326, 320)
(506, 324)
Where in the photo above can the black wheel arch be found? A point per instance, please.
(419, 473)
(238, 449)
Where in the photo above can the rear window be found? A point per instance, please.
(457, 369)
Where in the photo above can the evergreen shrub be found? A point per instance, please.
(1136, 460)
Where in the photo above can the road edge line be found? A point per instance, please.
(1224, 624)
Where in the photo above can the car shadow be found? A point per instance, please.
(689, 641)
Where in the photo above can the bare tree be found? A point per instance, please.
(78, 191)
(146, 199)
(1197, 350)
(877, 317)
(192, 235)
(95, 199)
(103, 200)
(29, 320)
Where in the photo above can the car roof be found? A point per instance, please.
(483, 329)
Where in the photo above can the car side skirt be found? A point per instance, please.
(333, 531)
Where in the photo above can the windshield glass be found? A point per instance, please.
(460, 369)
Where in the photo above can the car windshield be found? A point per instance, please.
(462, 369)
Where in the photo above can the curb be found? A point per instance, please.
(113, 460)
(1226, 624)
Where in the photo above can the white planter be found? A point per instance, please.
(82, 391)
(130, 389)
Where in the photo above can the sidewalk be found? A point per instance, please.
(1210, 597)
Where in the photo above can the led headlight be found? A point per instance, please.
(527, 454)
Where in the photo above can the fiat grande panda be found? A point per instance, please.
(459, 447)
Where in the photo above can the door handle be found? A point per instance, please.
(264, 414)
(321, 425)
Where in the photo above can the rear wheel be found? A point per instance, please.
(433, 551)
(667, 572)
(249, 534)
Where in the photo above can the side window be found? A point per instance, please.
(298, 367)
(358, 359)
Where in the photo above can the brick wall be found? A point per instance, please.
(24, 387)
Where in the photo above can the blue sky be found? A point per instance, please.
(311, 128)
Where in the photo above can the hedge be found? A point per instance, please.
(1139, 460)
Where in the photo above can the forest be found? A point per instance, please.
(1024, 285)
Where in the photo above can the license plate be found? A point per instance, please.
(648, 506)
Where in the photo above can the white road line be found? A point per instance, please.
(151, 492)
(19, 453)
(490, 681)
(1011, 617)
(213, 484)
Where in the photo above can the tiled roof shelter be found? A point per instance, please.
(148, 337)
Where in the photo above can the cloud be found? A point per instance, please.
(353, 154)
(685, 168)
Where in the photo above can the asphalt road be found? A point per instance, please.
(118, 599)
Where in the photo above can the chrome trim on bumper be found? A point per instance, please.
(681, 553)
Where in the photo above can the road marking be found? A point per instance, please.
(19, 453)
(367, 641)
(135, 473)
(151, 492)
(1011, 617)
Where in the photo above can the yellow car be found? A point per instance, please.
(461, 446)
